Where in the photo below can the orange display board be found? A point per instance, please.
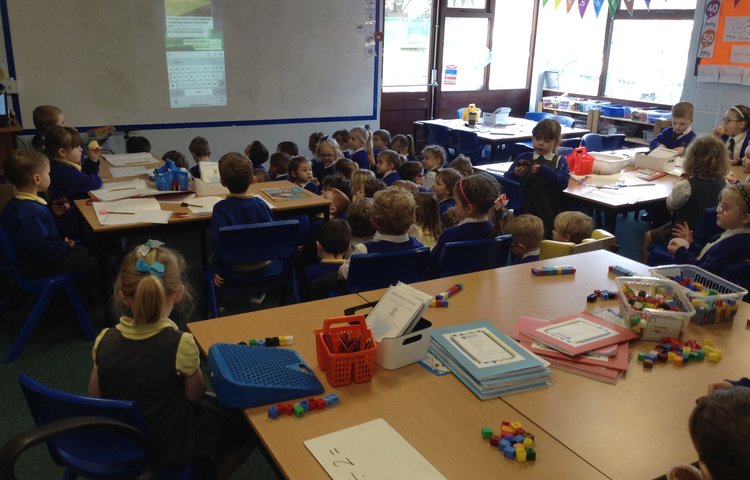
(725, 34)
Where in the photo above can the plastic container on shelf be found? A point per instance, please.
(615, 110)
(587, 105)
(551, 102)
(653, 115)
(715, 300)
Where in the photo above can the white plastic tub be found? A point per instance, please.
(608, 163)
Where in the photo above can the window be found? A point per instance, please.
(406, 46)
(486, 44)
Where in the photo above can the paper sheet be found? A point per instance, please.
(370, 450)
(203, 205)
(118, 172)
(130, 159)
(119, 190)
(132, 210)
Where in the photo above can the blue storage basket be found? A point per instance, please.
(248, 376)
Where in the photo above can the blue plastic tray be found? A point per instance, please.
(244, 376)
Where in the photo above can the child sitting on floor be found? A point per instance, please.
(388, 164)
(358, 182)
(433, 159)
(278, 168)
(528, 233)
(300, 172)
(445, 182)
(339, 202)
(572, 226)
(332, 243)
(359, 217)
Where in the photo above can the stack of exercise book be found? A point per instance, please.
(487, 361)
(582, 343)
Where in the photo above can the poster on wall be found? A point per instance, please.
(724, 48)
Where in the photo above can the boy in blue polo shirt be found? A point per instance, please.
(680, 134)
(40, 250)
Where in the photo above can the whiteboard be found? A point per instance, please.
(287, 61)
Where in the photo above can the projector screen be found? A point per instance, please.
(172, 63)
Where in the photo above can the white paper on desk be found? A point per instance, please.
(206, 205)
(177, 197)
(612, 197)
(130, 159)
(119, 190)
(270, 205)
(370, 450)
(118, 172)
(144, 210)
(398, 310)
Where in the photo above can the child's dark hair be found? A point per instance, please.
(478, 190)
(384, 135)
(199, 147)
(449, 177)
(332, 181)
(373, 185)
(280, 163)
(437, 151)
(60, 136)
(147, 291)
(345, 168)
(743, 114)
(177, 157)
(411, 170)
(236, 172)
(137, 144)
(288, 147)
(392, 157)
(428, 213)
(44, 116)
(720, 429)
(548, 130)
(257, 153)
(463, 165)
(334, 236)
(406, 141)
(260, 175)
(342, 138)
(312, 141)
(359, 217)
(294, 164)
(21, 165)
(706, 157)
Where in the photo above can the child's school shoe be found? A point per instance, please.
(257, 298)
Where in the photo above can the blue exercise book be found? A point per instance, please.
(487, 361)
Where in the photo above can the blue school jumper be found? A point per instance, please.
(360, 158)
(466, 230)
(281, 177)
(379, 246)
(730, 248)
(311, 187)
(238, 210)
(390, 177)
(33, 233)
(68, 182)
(444, 205)
(669, 139)
(542, 192)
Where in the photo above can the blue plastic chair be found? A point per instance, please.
(442, 136)
(613, 142)
(574, 142)
(44, 288)
(460, 112)
(705, 228)
(513, 191)
(565, 121)
(92, 453)
(537, 116)
(246, 244)
(593, 142)
(370, 271)
(467, 144)
(474, 255)
(739, 274)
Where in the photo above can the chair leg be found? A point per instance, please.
(80, 310)
(29, 325)
(213, 304)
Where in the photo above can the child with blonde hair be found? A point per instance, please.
(360, 144)
(428, 228)
(345, 168)
(572, 226)
(328, 154)
(433, 159)
(733, 215)
(528, 233)
(404, 145)
(697, 189)
(359, 177)
(147, 359)
(388, 164)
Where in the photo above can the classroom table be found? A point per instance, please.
(438, 416)
(497, 136)
(636, 429)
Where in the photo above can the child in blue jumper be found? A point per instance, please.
(679, 135)
(445, 183)
(388, 164)
(474, 195)
(528, 233)
(40, 250)
(332, 243)
(71, 178)
(240, 207)
(543, 174)
(300, 173)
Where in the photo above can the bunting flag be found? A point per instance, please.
(544, 3)
(613, 6)
(557, 3)
(569, 4)
(598, 6)
(582, 5)
(648, 4)
(629, 6)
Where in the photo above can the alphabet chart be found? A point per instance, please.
(370, 451)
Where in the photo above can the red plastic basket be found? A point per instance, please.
(342, 368)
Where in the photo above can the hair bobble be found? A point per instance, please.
(155, 268)
(146, 247)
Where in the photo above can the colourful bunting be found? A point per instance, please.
(569, 4)
(582, 6)
(544, 3)
(557, 3)
(629, 6)
(598, 6)
(613, 6)
(648, 4)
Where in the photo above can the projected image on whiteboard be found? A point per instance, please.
(195, 54)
